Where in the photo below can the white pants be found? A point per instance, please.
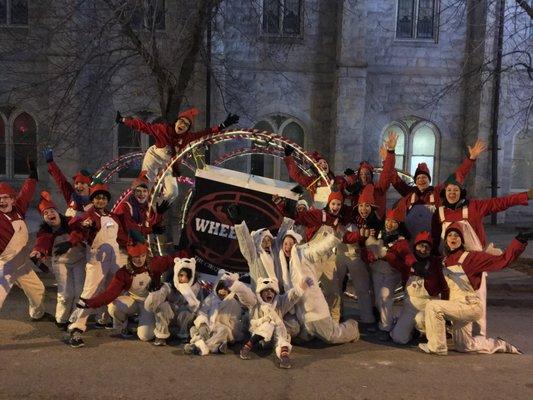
(411, 317)
(154, 160)
(123, 307)
(385, 280)
(291, 324)
(218, 335)
(331, 286)
(331, 331)
(25, 278)
(276, 333)
(69, 278)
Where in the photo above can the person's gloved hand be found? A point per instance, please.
(203, 331)
(48, 154)
(162, 207)
(289, 150)
(36, 259)
(118, 118)
(234, 213)
(420, 268)
(62, 248)
(155, 285)
(159, 229)
(230, 278)
(307, 282)
(82, 303)
(32, 168)
(230, 120)
(524, 237)
(349, 172)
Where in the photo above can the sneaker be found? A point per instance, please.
(76, 339)
(285, 362)
(245, 353)
(190, 349)
(160, 342)
(62, 326)
(99, 325)
(384, 336)
(424, 347)
(223, 348)
(125, 333)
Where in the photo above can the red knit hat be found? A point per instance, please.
(82, 176)
(364, 164)
(422, 169)
(190, 114)
(6, 189)
(424, 236)
(137, 245)
(46, 202)
(99, 188)
(396, 214)
(367, 195)
(315, 155)
(455, 226)
(141, 180)
(335, 196)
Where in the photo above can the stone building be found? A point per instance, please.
(334, 76)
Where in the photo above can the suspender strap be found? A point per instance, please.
(462, 258)
(465, 212)
(441, 214)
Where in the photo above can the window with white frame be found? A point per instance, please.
(417, 19)
(417, 143)
(148, 15)
(522, 164)
(14, 12)
(18, 140)
(286, 126)
(282, 18)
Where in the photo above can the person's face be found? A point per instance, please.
(391, 225)
(182, 125)
(422, 182)
(288, 242)
(139, 261)
(365, 176)
(183, 277)
(453, 193)
(301, 208)
(81, 188)
(141, 194)
(453, 240)
(222, 293)
(266, 243)
(268, 295)
(364, 210)
(51, 217)
(335, 206)
(6, 203)
(100, 201)
(423, 249)
(323, 165)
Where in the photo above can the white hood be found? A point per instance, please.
(267, 283)
(258, 235)
(185, 289)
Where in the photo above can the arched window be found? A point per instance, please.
(417, 143)
(522, 165)
(24, 142)
(286, 126)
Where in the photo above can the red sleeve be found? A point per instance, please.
(296, 175)
(405, 253)
(113, 290)
(385, 178)
(351, 237)
(192, 136)
(26, 193)
(497, 204)
(78, 233)
(400, 185)
(479, 261)
(61, 181)
(309, 218)
(44, 242)
(160, 264)
(158, 131)
(464, 169)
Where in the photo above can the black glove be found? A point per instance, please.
(349, 171)
(420, 268)
(298, 189)
(48, 155)
(230, 120)
(234, 214)
(42, 266)
(118, 118)
(82, 303)
(62, 248)
(159, 229)
(288, 151)
(523, 237)
(32, 168)
(155, 285)
(162, 207)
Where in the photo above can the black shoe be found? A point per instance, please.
(46, 317)
(126, 333)
(383, 336)
(285, 362)
(63, 326)
(223, 348)
(159, 342)
(190, 349)
(76, 339)
(99, 325)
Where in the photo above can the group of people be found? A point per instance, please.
(432, 243)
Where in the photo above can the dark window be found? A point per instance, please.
(416, 19)
(282, 17)
(129, 141)
(426, 12)
(3, 12)
(14, 12)
(24, 142)
(404, 27)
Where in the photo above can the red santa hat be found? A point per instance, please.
(189, 114)
(137, 245)
(46, 202)
(82, 176)
(335, 196)
(422, 168)
(141, 180)
(422, 237)
(6, 189)
(367, 196)
(396, 214)
(99, 188)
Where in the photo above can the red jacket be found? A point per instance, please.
(407, 191)
(18, 213)
(134, 216)
(313, 219)
(400, 257)
(79, 233)
(46, 236)
(478, 262)
(477, 210)
(72, 198)
(123, 279)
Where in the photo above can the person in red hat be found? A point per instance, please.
(463, 271)
(76, 195)
(14, 249)
(100, 230)
(126, 293)
(170, 139)
(421, 201)
(424, 282)
(68, 268)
